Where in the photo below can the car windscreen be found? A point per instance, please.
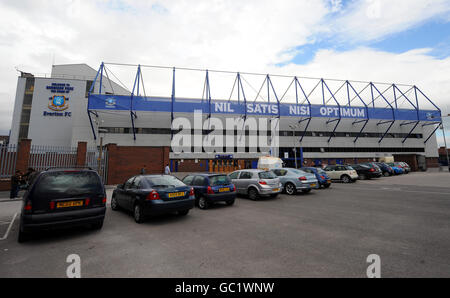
(220, 180)
(163, 182)
(349, 168)
(68, 184)
(267, 175)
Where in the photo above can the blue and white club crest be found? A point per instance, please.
(110, 102)
(58, 103)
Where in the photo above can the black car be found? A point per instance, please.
(148, 195)
(211, 188)
(62, 198)
(367, 171)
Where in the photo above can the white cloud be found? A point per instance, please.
(234, 35)
(373, 19)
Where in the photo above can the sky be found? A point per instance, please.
(401, 41)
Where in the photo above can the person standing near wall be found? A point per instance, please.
(29, 175)
(15, 185)
(167, 170)
(144, 170)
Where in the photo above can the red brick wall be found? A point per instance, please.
(189, 165)
(410, 159)
(23, 155)
(432, 162)
(127, 161)
(81, 153)
(5, 184)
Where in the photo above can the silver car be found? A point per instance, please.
(256, 183)
(294, 180)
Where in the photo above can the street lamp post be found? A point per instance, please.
(293, 127)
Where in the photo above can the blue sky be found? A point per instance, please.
(433, 34)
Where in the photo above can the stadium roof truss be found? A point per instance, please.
(360, 112)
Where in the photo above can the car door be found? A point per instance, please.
(245, 179)
(132, 193)
(126, 197)
(282, 175)
(235, 179)
(199, 184)
(121, 192)
(339, 171)
(331, 172)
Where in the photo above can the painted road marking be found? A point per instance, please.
(9, 228)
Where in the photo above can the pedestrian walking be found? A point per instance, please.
(144, 170)
(167, 170)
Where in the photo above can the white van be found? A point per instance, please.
(269, 163)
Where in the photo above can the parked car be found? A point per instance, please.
(148, 195)
(405, 167)
(321, 175)
(343, 173)
(63, 197)
(211, 188)
(256, 183)
(367, 171)
(385, 169)
(397, 170)
(294, 180)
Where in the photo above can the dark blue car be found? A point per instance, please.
(321, 176)
(211, 188)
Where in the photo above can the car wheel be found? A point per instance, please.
(203, 203)
(97, 226)
(230, 202)
(346, 179)
(114, 205)
(253, 194)
(138, 214)
(290, 189)
(386, 174)
(305, 191)
(183, 212)
(327, 185)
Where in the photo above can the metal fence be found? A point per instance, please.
(94, 161)
(8, 157)
(43, 157)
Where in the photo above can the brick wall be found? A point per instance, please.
(189, 165)
(432, 162)
(410, 159)
(127, 161)
(5, 184)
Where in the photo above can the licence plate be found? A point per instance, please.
(224, 189)
(276, 189)
(313, 185)
(69, 204)
(176, 194)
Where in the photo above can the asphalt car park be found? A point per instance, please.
(326, 233)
